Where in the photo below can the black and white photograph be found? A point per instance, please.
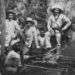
(37, 37)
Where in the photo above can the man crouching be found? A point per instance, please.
(55, 23)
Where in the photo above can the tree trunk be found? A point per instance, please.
(2, 25)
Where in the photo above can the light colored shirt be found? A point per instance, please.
(32, 31)
(11, 26)
(55, 23)
(41, 40)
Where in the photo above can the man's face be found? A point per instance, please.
(42, 34)
(29, 24)
(10, 16)
(56, 12)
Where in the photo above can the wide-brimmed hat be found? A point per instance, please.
(29, 19)
(10, 12)
(57, 8)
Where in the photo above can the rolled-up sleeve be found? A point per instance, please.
(67, 20)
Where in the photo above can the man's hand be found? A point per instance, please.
(38, 47)
(51, 31)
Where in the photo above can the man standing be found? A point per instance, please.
(11, 28)
(55, 23)
(31, 34)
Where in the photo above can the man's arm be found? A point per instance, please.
(17, 26)
(68, 22)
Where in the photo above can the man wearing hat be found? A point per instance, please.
(11, 26)
(55, 22)
(31, 32)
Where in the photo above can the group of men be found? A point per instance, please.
(32, 33)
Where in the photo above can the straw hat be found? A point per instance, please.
(29, 19)
(56, 7)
